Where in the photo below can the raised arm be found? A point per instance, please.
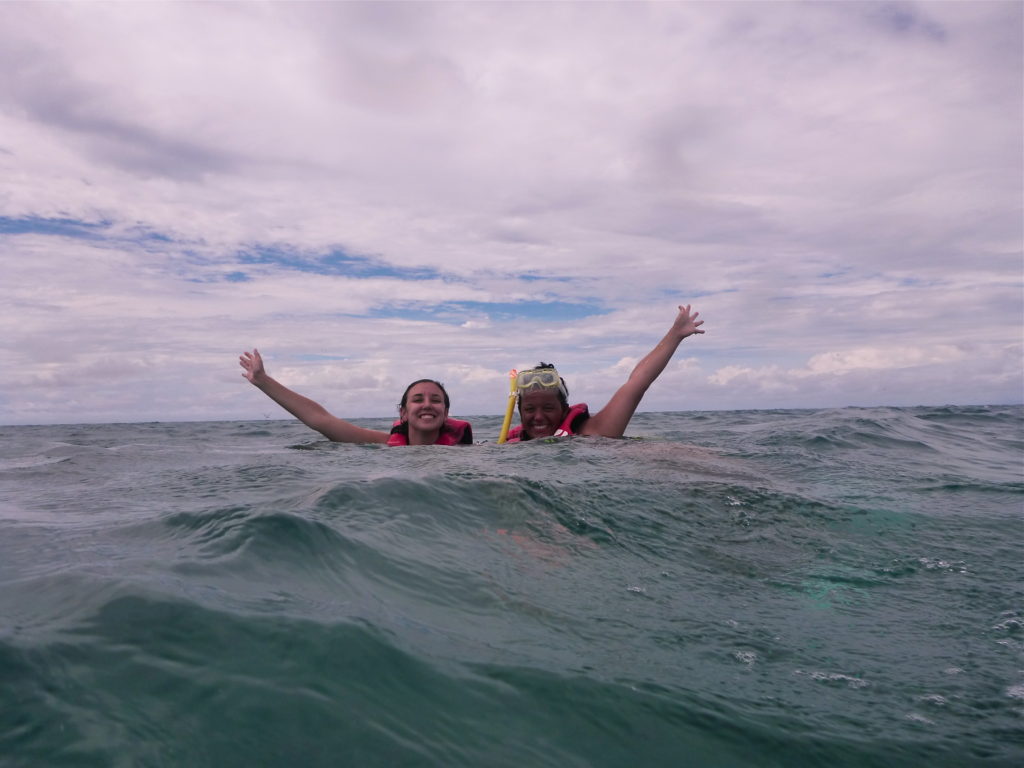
(611, 420)
(310, 413)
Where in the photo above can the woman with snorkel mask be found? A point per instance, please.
(423, 412)
(543, 397)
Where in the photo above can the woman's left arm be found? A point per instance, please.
(611, 420)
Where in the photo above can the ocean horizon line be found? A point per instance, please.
(470, 417)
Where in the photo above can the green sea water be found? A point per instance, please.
(758, 588)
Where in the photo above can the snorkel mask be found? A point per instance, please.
(541, 379)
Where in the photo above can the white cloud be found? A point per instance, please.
(885, 358)
(882, 375)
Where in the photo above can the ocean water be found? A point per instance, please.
(759, 588)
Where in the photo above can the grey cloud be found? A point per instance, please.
(903, 19)
(42, 84)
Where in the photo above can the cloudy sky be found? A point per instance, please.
(372, 193)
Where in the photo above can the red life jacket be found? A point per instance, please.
(573, 420)
(453, 432)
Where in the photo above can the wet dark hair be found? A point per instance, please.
(563, 399)
(405, 395)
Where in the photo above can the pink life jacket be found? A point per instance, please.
(573, 420)
(453, 432)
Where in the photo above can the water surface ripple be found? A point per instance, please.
(758, 588)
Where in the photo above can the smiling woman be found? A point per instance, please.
(544, 409)
(423, 412)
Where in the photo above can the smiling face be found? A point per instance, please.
(424, 407)
(541, 413)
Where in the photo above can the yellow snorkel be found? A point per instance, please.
(511, 406)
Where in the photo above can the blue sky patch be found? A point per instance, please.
(459, 312)
(529, 278)
(336, 262)
(141, 234)
(61, 227)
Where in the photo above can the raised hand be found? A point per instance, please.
(686, 323)
(252, 365)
